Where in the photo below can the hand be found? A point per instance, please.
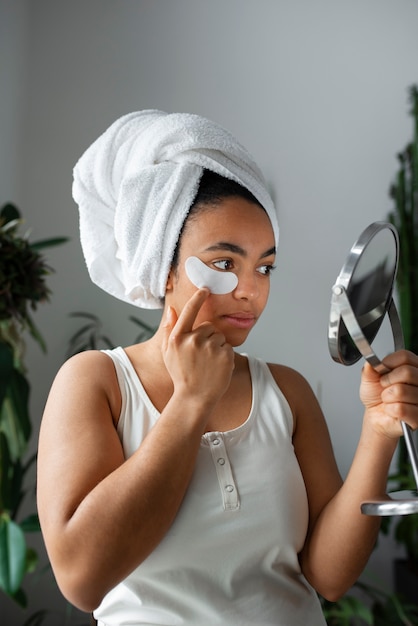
(393, 397)
(199, 360)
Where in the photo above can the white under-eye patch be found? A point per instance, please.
(203, 276)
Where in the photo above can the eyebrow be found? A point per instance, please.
(232, 247)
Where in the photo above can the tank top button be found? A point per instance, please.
(216, 442)
(221, 461)
(229, 488)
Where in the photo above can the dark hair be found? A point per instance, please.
(213, 188)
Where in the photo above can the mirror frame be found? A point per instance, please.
(342, 320)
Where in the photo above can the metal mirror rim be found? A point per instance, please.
(344, 279)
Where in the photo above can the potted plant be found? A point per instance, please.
(404, 193)
(22, 287)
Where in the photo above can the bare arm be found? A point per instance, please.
(101, 516)
(341, 539)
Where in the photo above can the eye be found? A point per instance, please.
(266, 270)
(223, 264)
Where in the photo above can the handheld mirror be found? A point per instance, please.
(361, 298)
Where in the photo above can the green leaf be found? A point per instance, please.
(19, 395)
(80, 333)
(6, 368)
(5, 472)
(31, 560)
(20, 598)
(345, 610)
(12, 556)
(30, 524)
(90, 316)
(38, 618)
(35, 333)
(11, 479)
(147, 330)
(48, 243)
(107, 341)
(32, 459)
(9, 213)
(14, 415)
(150, 329)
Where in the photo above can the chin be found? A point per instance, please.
(236, 339)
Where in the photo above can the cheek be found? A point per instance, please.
(206, 314)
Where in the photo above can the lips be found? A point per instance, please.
(240, 320)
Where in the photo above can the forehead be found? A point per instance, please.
(232, 218)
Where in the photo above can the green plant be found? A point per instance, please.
(22, 287)
(404, 216)
(91, 336)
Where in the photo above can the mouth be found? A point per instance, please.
(240, 320)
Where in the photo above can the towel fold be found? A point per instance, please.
(134, 187)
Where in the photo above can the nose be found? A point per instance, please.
(247, 288)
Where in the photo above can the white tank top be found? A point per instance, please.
(230, 556)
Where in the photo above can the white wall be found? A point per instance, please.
(316, 90)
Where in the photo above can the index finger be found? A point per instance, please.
(190, 311)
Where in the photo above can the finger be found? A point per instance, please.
(208, 330)
(398, 393)
(170, 318)
(403, 374)
(403, 412)
(401, 357)
(369, 374)
(190, 311)
(170, 321)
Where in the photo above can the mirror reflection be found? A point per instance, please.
(365, 286)
(370, 290)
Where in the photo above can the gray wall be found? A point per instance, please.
(316, 90)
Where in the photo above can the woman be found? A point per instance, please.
(181, 482)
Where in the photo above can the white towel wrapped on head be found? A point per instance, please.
(134, 186)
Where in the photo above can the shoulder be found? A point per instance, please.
(94, 362)
(297, 390)
(90, 373)
(286, 373)
(290, 381)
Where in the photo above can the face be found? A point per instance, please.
(233, 236)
